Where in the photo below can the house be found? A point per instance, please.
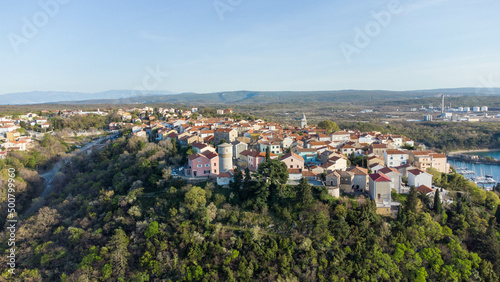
(429, 192)
(220, 112)
(204, 164)
(274, 147)
(201, 147)
(374, 168)
(395, 177)
(347, 149)
(417, 177)
(13, 135)
(335, 163)
(394, 158)
(252, 159)
(378, 149)
(225, 134)
(224, 178)
(340, 137)
(360, 180)
(309, 155)
(293, 161)
(403, 169)
(238, 147)
(312, 177)
(380, 192)
(346, 181)
(375, 160)
(332, 183)
(294, 174)
(428, 159)
(327, 154)
(3, 155)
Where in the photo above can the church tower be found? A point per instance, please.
(303, 121)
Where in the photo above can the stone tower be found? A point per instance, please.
(225, 151)
(303, 121)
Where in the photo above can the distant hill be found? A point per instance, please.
(40, 97)
(235, 97)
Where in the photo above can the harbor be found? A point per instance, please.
(477, 173)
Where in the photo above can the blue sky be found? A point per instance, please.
(93, 46)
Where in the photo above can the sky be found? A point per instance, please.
(224, 45)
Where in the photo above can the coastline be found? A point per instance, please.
(472, 151)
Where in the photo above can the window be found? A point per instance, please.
(215, 171)
(207, 165)
(215, 164)
(379, 196)
(200, 165)
(292, 160)
(199, 160)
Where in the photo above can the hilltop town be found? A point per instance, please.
(345, 161)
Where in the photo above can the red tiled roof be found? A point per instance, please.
(424, 189)
(209, 154)
(386, 170)
(288, 155)
(416, 171)
(378, 177)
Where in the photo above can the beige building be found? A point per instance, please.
(429, 159)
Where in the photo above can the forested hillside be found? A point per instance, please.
(118, 215)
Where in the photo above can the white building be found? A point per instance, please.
(394, 158)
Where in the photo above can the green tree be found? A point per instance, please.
(152, 230)
(268, 154)
(438, 206)
(195, 198)
(329, 125)
(237, 180)
(275, 171)
(119, 255)
(306, 196)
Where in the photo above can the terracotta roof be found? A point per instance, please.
(358, 170)
(294, 171)
(395, 152)
(225, 174)
(307, 173)
(424, 189)
(416, 171)
(209, 154)
(438, 156)
(378, 177)
(386, 170)
(288, 155)
(225, 130)
(379, 146)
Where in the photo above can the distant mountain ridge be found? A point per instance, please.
(42, 97)
(243, 97)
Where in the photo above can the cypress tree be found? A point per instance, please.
(268, 154)
(438, 206)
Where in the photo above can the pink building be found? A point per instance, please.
(204, 164)
(254, 158)
(293, 161)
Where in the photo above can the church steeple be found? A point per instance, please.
(303, 121)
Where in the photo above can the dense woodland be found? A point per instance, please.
(444, 136)
(119, 215)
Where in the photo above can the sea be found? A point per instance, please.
(480, 169)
